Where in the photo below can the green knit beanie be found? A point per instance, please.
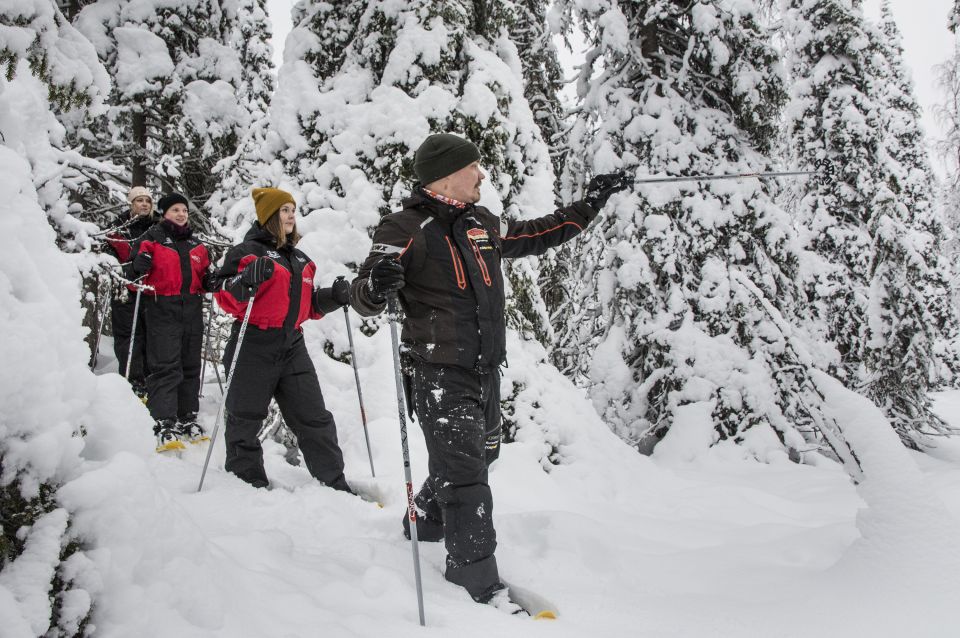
(442, 154)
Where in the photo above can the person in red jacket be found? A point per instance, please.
(123, 302)
(176, 266)
(267, 270)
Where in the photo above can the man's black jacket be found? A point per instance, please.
(453, 300)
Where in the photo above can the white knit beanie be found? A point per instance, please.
(139, 191)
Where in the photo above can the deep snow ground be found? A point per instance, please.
(624, 545)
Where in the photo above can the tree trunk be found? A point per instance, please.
(138, 170)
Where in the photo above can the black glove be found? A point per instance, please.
(209, 281)
(386, 278)
(142, 263)
(340, 291)
(601, 187)
(326, 300)
(257, 272)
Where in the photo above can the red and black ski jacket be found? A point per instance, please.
(180, 264)
(285, 300)
(453, 297)
(121, 242)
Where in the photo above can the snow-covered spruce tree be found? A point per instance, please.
(862, 267)
(542, 75)
(689, 296)
(363, 83)
(181, 98)
(48, 67)
(77, 84)
(249, 36)
(948, 149)
(911, 181)
(543, 82)
(61, 57)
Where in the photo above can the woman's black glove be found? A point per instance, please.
(386, 278)
(142, 263)
(341, 291)
(257, 272)
(209, 281)
(326, 300)
(601, 187)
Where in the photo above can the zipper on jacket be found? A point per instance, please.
(481, 263)
(457, 266)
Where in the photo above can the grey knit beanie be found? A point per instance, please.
(442, 154)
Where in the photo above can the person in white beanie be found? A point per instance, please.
(140, 219)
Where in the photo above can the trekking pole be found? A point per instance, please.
(133, 332)
(356, 377)
(233, 367)
(219, 380)
(206, 351)
(411, 509)
(824, 175)
(103, 320)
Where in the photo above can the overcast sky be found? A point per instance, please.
(926, 42)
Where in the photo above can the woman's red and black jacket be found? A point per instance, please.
(285, 300)
(121, 242)
(180, 262)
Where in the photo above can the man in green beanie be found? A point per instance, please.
(441, 255)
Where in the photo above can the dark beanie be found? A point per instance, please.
(442, 154)
(169, 200)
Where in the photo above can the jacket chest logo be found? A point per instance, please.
(477, 234)
(195, 258)
(272, 254)
(308, 281)
(479, 237)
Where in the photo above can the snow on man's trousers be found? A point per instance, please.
(274, 364)
(174, 340)
(459, 412)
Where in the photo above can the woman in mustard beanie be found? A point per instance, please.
(266, 269)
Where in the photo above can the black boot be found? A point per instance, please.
(190, 430)
(340, 483)
(168, 435)
(499, 597)
(253, 478)
(429, 530)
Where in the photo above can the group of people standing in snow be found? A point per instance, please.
(171, 271)
(440, 256)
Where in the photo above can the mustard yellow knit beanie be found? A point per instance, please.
(268, 201)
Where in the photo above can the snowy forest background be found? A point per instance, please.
(803, 324)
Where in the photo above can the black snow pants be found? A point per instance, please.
(121, 320)
(459, 412)
(174, 341)
(274, 364)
